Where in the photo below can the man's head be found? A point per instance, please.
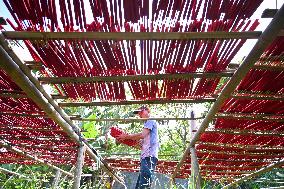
(143, 111)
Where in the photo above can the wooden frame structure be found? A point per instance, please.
(20, 74)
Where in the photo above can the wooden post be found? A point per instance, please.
(79, 165)
(195, 174)
(56, 179)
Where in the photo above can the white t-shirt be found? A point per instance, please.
(150, 144)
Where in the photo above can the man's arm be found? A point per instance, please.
(135, 136)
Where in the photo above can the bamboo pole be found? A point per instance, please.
(18, 151)
(269, 67)
(259, 97)
(9, 127)
(27, 35)
(246, 132)
(56, 179)
(195, 174)
(22, 114)
(243, 146)
(124, 78)
(79, 166)
(246, 116)
(265, 39)
(48, 105)
(252, 154)
(134, 119)
(12, 172)
(131, 102)
(12, 95)
(261, 171)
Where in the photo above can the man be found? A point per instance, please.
(149, 150)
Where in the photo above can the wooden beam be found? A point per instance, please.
(227, 172)
(243, 146)
(33, 65)
(12, 95)
(195, 173)
(271, 58)
(183, 76)
(25, 154)
(79, 166)
(131, 102)
(28, 35)
(264, 40)
(20, 95)
(44, 146)
(246, 132)
(12, 172)
(246, 116)
(261, 171)
(57, 96)
(212, 152)
(237, 160)
(269, 67)
(8, 128)
(22, 114)
(56, 179)
(37, 139)
(132, 119)
(228, 167)
(258, 97)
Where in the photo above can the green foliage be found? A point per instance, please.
(89, 130)
(37, 177)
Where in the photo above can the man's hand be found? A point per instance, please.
(123, 136)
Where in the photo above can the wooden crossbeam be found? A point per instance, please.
(243, 146)
(131, 102)
(183, 76)
(212, 152)
(17, 94)
(237, 160)
(12, 172)
(246, 116)
(12, 95)
(246, 132)
(33, 65)
(258, 97)
(28, 35)
(228, 167)
(133, 119)
(22, 114)
(9, 128)
(269, 67)
(36, 138)
(13, 126)
(261, 66)
(44, 146)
